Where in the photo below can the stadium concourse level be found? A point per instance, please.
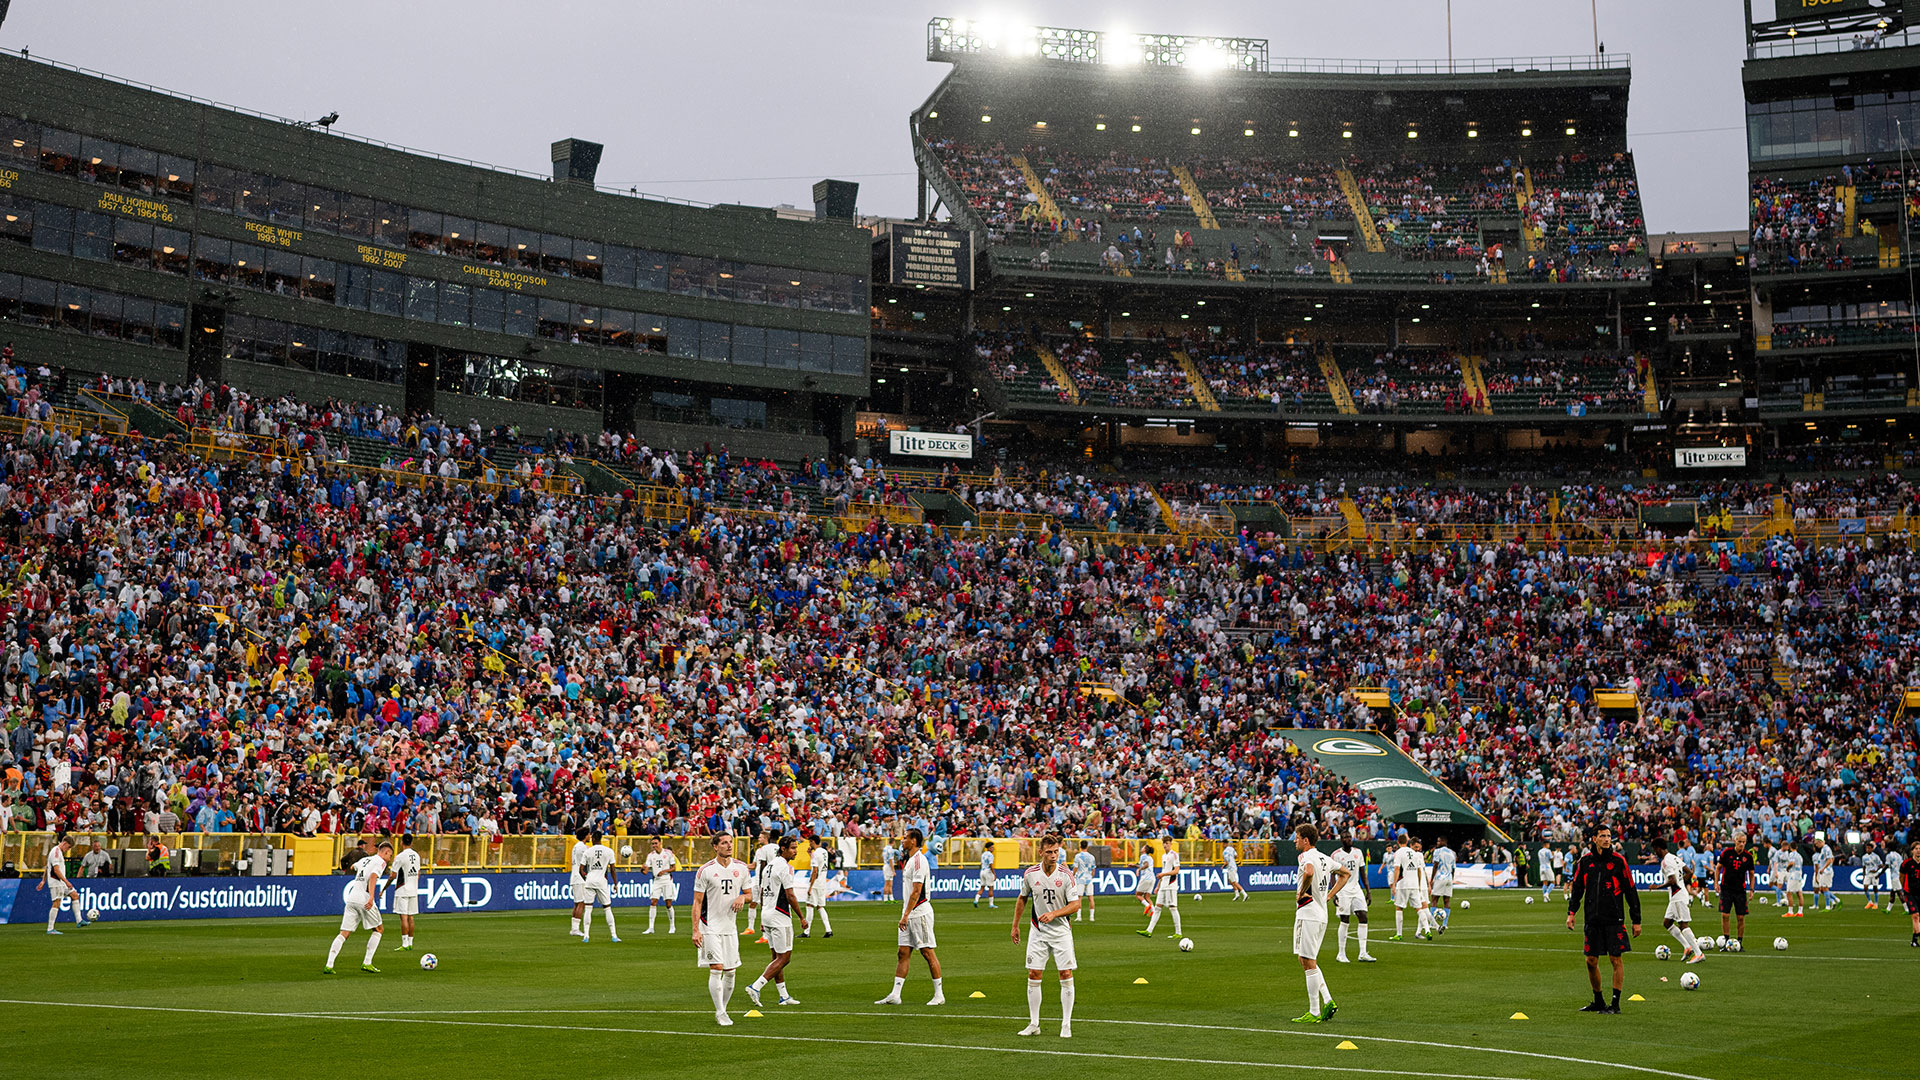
(1520, 376)
(272, 643)
(1810, 223)
(1572, 218)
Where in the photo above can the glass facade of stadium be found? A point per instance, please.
(149, 235)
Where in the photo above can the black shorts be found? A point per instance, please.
(1733, 902)
(1608, 940)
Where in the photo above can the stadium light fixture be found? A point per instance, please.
(1473, 133)
(1039, 123)
(934, 115)
(1412, 134)
(1346, 133)
(1194, 131)
(1570, 131)
(1136, 127)
(986, 118)
(1248, 133)
(1293, 133)
(1526, 133)
(1100, 127)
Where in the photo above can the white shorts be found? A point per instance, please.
(663, 889)
(1443, 888)
(1796, 880)
(360, 917)
(406, 905)
(918, 933)
(720, 949)
(986, 880)
(1346, 903)
(1042, 946)
(58, 891)
(1307, 935)
(1233, 874)
(1546, 877)
(1167, 896)
(1823, 879)
(1680, 908)
(778, 930)
(596, 892)
(818, 891)
(1084, 884)
(1405, 896)
(579, 889)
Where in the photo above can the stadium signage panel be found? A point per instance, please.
(927, 444)
(134, 206)
(382, 257)
(937, 258)
(502, 279)
(1404, 791)
(1791, 11)
(1710, 457)
(7, 177)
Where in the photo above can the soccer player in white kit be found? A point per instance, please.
(360, 910)
(599, 877)
(1403, 885)
(1894, 859)
(778, 902)
(889, 864)
(1823, 898)
(1444, 861)
(764, 853)
(1084, 864)
(1145, 878)
(719, 892)
(54, 880)
(820, 886)
(1547, 873)
(916, 920)
(1166, 893)
(1053, 893)
(1231, 856)
(1320, 877)
(1428, 926)
(986, 877)
(1872, 862)
(1777, 873)
(1679, 917)
(575, 883)
(406, 889)
(1353, 898)
(661, 863)
(1796, 883)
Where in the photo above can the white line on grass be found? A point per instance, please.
(1034, 1051)
(1756, 953)
(382, 1013)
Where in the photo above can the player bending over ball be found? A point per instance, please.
(1053, 893)
(360, 910)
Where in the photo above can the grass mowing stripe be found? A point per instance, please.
(1756, 953)
(1032, 1051)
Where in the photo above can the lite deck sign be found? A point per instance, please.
(929, 444)
(1710, 457)
(937, 258)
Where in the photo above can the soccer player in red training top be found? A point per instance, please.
(1910, 884)
(1601, 880)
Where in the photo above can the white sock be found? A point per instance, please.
(334, 953)
(406, 941)
(611, 932)
(1399, 921)
(53, 915)
(899, 984)
(575, 923)
(937, 992)
(1680, 935)
(669, 918)
(1313, 994)
(726, 989)
(373, 945)
(1343, 939)
(756, 984)
(1153, 920)
(782, 987)
(751, 911)
(653, 913)
(825, 921)
(1176, 920)
(1363, 939)
(1066, 1002)
(716, 986)
(1033, 1001)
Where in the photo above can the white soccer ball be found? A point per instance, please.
(1529, 899)
(94, 915)
(1765, 900)
(1733, 945)
(1466, 903)
(1186, 944)
(429, 961)
(1780, 943)
(1663, 953)
(1720, 943)
(626, 851)
(1689, 981)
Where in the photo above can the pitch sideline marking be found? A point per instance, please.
(365, 1018)
(1757, 953)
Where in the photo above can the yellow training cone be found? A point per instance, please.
(1139, 982)
(1518, 1016)
(1346, 1045)
(1636, 997)
(976, 994)
(753, 1012)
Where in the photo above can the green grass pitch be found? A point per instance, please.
(514, 996)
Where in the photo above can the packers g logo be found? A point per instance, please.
(1349, 747)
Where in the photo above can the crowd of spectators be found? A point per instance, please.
(273, 642)
(1595, 382)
